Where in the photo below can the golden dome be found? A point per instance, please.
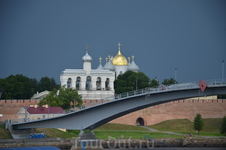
(119, 59)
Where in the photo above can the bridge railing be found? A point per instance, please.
(164, 88)
(161, 88)
(33, 117)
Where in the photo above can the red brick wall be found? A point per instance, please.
(182, 109)
(10, 108)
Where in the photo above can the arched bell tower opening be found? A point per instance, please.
(140, 122)
(107, 82)
(78, 80)
(88, 83)
(69, 83)
(98, 83)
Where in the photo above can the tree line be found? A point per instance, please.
(130, 81)
(21, 87)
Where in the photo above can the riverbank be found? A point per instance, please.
(111, 144)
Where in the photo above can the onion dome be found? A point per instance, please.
(87, 58)
(111, 67)
(108, 65)
(119, 59)
(133, 66)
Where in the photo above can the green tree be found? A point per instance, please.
(64, 97)
(17, 87)
(130, 81)
(154, 83)
(169, 81)
(198, 123)
(47, 83)
(223, 126)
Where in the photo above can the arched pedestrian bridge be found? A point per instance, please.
(95, 116)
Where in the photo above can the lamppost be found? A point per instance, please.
(136, 83)
(175, 77)
(222, 71)
(48, 110)
(25, 108)
(74, 104)
(0, 98)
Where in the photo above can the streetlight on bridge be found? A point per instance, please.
(175, 76)
(222, 71)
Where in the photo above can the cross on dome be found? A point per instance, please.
(129, 59)
(100, 59)
(86, 47)
(119, 45)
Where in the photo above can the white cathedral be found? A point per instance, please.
(96, 84)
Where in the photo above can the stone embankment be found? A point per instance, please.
(74, 144)
(56, 142)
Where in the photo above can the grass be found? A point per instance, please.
(116, 130)
(120, 127)
(5, 134)
(185, 126)
(54, 133)
(212, 125)
(177, 125)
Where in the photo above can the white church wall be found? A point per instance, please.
(120, 69)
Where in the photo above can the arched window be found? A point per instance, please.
(88, 83)
(107, 87)
(98, 83)
(140, 122)
(69, 83)
(78, 80)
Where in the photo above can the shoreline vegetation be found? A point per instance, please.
(179, 126)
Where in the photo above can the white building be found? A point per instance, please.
(97, 83)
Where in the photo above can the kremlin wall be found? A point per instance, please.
(179, 109)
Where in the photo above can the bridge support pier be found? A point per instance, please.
(81, 132)
(87, 135)
(19, 134)
(87, 140)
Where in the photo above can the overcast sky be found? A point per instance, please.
(42, 38)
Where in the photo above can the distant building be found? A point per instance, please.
(40, 95)
(34, 112)
(97, 83)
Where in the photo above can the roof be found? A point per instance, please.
(40, 95)
(44, 110)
